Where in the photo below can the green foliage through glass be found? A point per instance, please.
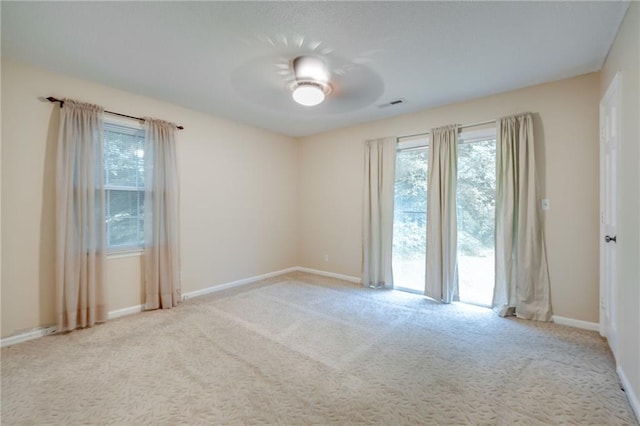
(124, 185)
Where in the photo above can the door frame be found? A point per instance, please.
(608, 288)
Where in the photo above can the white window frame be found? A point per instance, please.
(413, 142)
(131, 249)
(469, 136)
(464, 136)
(423, 141)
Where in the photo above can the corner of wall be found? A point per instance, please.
(298, 203)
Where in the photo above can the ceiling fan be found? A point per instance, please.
(311, 84)
(295, 77)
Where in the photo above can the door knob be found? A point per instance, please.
(608, 239)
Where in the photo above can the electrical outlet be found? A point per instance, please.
(326, 257)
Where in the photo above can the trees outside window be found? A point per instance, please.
(124, 185)
(475, 213)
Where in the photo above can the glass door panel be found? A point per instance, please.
(410, 219)
(476, 221)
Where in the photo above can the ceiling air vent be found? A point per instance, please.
(392, 103)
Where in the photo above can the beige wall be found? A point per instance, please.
(624, 57)
(238, 202)
(245, 191)
(331, 179)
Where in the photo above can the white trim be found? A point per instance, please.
(44, 331)
(237, 283)
(112, 121)
(47, 330)
(631, 396)
(28, 335)
(414, 142)
(125, 311)
(329, 274)
(468, 136)
(125, 252)
(253, 279)
(586, 325)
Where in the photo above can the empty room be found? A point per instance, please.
(421, 213)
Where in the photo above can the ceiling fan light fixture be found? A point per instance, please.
(311, 83)
(309, 93)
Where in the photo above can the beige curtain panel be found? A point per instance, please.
(377, 232)
(522, 276)
(80, 220)
(161, 233)
(442, 232)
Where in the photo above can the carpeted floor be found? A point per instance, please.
(301, 349)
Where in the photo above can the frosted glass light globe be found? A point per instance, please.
(308, 95)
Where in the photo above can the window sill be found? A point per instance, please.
(116, 254)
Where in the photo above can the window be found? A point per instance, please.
(124, 185)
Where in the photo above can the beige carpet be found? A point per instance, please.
(301, 349)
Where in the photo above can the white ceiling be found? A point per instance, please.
(230, 58)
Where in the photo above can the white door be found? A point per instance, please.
(609, 134)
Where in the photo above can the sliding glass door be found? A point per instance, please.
(475, 209)
(476, 218)
(410, 217)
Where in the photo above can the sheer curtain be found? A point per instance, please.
(522, 276)
(377, 232)
(442, 233)
(161, 234)
(80, 220)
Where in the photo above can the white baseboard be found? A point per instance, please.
(329, 274)
(631, 395)
(28, 335)
(253, 279)
(46, 330)
(237, 283)
(125, 311)
(586, 325)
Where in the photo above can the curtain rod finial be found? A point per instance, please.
(52, 99)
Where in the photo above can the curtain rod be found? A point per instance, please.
(482, 123)
(52, 99)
